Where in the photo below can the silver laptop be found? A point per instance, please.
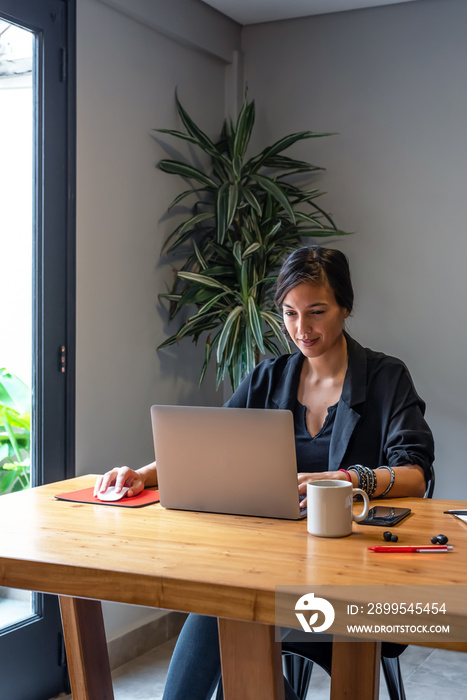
(239, 461)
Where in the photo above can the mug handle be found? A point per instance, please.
(366, 508)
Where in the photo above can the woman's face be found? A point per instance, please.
(313, 318)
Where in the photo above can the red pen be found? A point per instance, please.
(401, 548)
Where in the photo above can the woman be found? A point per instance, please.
(357, 416)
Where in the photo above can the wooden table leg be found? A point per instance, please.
(251, 661)
(86, 649)
(355, 670)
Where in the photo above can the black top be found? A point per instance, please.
(312, 452)
(379, 418)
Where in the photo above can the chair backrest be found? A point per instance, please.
(430, 486)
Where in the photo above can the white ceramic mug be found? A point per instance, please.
(329, 507)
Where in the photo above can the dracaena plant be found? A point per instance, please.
(246, 215)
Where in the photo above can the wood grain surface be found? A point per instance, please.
(227, 566)
(209, 563)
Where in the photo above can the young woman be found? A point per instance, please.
(357, 416)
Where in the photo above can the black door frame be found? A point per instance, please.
(55, 254)
(33, 662)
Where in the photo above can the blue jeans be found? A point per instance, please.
(195, 668)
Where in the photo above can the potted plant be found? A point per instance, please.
(15, 433)
(247, 214)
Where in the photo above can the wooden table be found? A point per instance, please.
(227, 566)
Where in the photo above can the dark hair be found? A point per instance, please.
(316, 265)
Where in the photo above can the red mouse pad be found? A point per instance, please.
(145, 498)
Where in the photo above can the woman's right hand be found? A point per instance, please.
(120, 477)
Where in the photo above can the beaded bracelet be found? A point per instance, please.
(361, 475)
(391, 483)
(366, 478)
(373, 481)
(357, 469)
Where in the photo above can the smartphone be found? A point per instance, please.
(385, 515)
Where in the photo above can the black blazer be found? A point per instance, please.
(379, 418)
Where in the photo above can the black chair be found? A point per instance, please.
(298, 665)
(299, 656)
(430, 487)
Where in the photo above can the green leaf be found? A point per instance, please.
(194, 327)
(231, 347)
(191, 223)
(223, 271)
(186, 227)
(170, 341)
(254, 317)
(198, 324)
(298, 195)
(14, 392)
(22, 482)
(207, 357)
(203, 279)
(273, 231)
(247, 235)
(211, 303)
(220, 252)
(236, 374)
(249, 350)
(325, 214)
(170, 297)
(283, 163)
(227, 199)
(7, 480)
(227, 329)
(237, 251)
(225, 143)
(275, 191)
(222, 170)
(251, 249)
(244, 281)
(199, 257)
(272, 347)
(283, 144)
(250, 197)
(269, 280)
(268, 209)
(237, 168)
(185, 194)
(245, 123)
(18, 467)
(273, 321)
(194, 294)
(202, 139)
(176, 167)
(220, 373)
(4, 418)
(308, 218)
(19, 420)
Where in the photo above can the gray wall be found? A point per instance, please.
(391, 82)
(126, 78)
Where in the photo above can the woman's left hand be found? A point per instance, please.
(307, 478)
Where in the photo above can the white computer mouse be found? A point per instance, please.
(110, 495)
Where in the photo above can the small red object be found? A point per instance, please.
(403, 549)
